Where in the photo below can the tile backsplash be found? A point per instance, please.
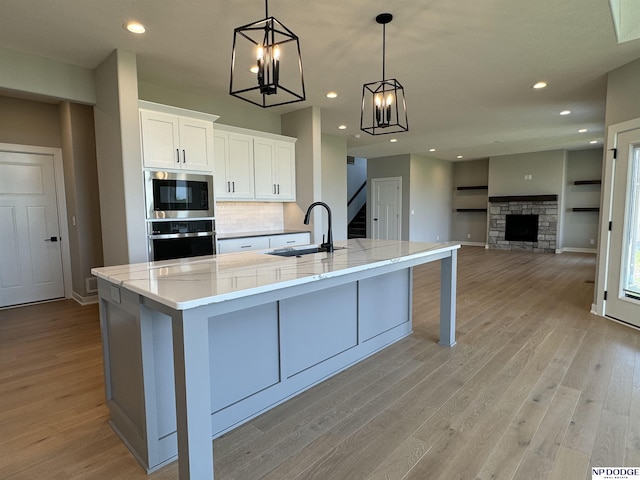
(238, 217)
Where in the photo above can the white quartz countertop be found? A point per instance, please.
(192, 282)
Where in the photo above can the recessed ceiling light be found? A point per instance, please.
(342, 127)
(565, 112)
(459, 156)
(593, 141)
(393, 140)
(582, 130)
(432, 149)
(539, 85)
(332, 95)
(135, 27)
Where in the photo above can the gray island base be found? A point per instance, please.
(195, 347)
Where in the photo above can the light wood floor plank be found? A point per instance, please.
(537, 387)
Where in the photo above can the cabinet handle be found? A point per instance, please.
(233, 185)
(274, 188)
(184, 157)
(177, 155)
(278, 189)
(228, 187)
(245, 246)
(291, 241)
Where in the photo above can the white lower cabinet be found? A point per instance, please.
(261, 242)
(244, 244)
(289, 240)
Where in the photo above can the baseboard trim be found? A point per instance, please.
(88, 300)
(578, 250)
(472, 244)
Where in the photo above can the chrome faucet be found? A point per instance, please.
(328, 246)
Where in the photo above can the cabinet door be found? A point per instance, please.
(285, 171)
(240, 166)
(160, 140)
(221, 182)
(196, 144)
(264, 151)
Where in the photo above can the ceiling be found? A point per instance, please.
(467, 66)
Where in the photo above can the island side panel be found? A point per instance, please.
(317, 326)
(384, 302)
(120, 331)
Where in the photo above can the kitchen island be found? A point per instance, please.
(195, 347)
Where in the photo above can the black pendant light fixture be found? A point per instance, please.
(266, 66)
(384, 109)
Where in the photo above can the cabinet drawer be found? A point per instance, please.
(289, 240)
(242, 244)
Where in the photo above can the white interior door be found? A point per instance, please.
(623, 286)
(30, 251)
(386, 212)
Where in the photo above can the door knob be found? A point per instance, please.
(375, 219)
(52, 239)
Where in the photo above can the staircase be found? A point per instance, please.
(358, 226)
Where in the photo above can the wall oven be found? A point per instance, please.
(178, 195)
(169, 239)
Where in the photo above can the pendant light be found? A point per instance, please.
(384, 109)
(266, 66)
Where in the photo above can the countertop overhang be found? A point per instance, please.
(192, 282)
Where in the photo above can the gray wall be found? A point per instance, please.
(120, 160)
(334, 182)
(506, 173)
(232, 111)
(470, 226)
(580, 228)
(430, 199)
(547, 170)
(81, 188)
(27, 122)
(22, 72)
(622, 94)
(69, 127)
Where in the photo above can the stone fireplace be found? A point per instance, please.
(545, 207)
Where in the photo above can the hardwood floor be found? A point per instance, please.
(536, 388)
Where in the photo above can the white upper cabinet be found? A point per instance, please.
(233, 166)
(177, 142)
(274, 170)
(251, 165)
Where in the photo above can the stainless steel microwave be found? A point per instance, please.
(178, 195)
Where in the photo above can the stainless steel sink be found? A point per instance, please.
(298, 251)
(294, 252)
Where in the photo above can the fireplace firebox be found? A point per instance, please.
(521, 228)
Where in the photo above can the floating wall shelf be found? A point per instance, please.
(473, 187)
(586, 209)
(587, 182)
(471, 210)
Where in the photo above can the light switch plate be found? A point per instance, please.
(115, 294)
